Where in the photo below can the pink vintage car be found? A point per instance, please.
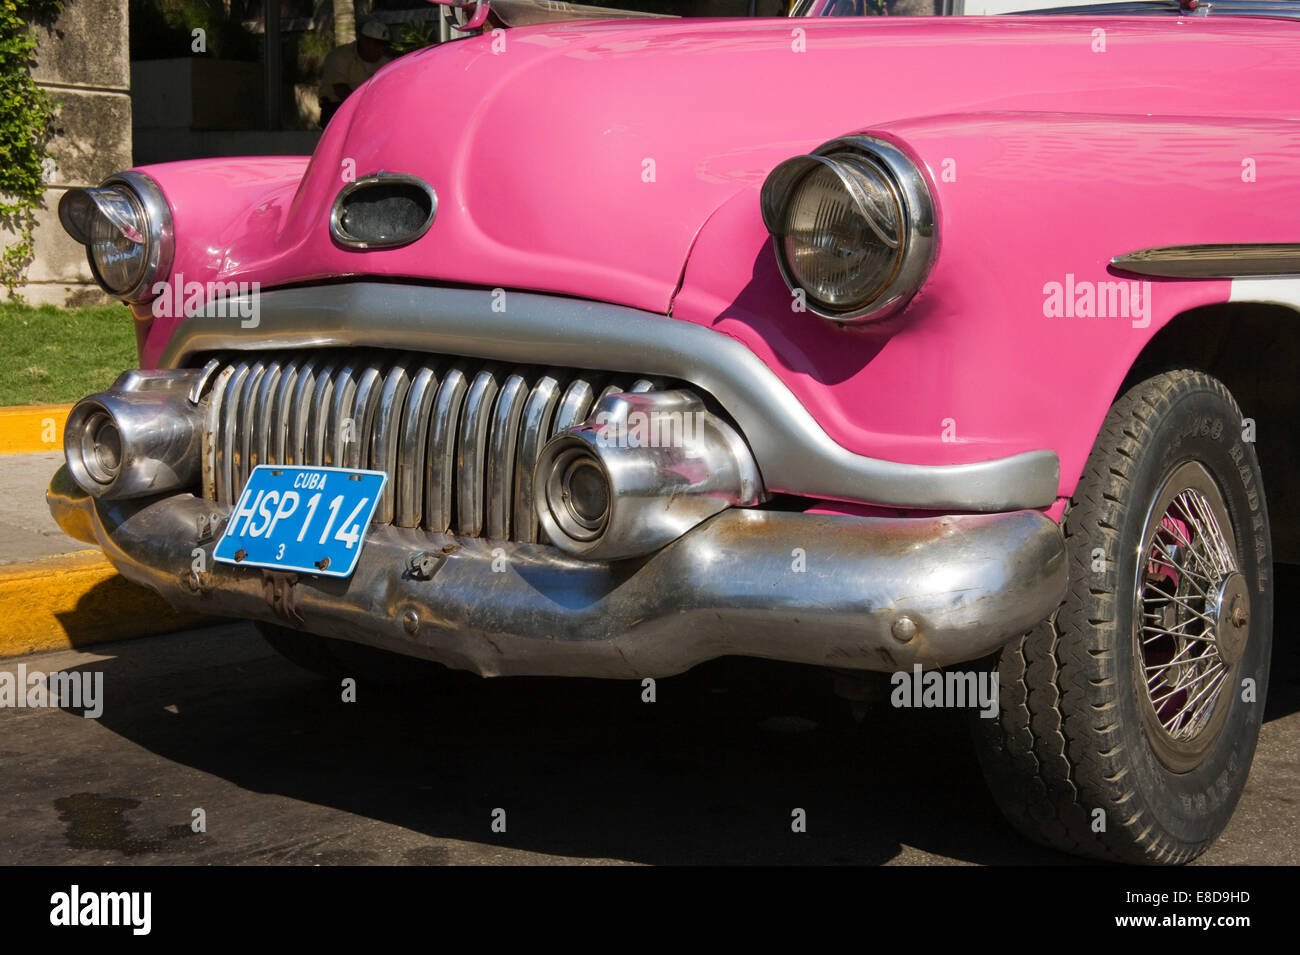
(884, 344)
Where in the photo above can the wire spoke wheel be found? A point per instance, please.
(1191, 617)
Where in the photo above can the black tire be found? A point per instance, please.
(1078, 730)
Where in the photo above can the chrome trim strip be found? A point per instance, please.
(1234, 8)
(794, 454)
(1228, 260)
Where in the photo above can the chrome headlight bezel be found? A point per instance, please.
(918, 240)
(78, 207)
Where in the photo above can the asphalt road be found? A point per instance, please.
(286, 772)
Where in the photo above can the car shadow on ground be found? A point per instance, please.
(711, 772)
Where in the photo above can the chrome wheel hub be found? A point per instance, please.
(1191, 617)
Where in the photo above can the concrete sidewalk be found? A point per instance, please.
(27, 531)
(57, 593)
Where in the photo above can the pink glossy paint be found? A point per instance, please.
(621, 162)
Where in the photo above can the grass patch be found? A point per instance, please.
(54, 355)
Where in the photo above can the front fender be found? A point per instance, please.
(216, 205)
(1005, 349)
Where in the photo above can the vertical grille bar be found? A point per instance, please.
(226, 453)
(471, 451)
(260, 446)
(299, 411)
(340, 421)
(212, 456)
(247, 424)
(574, 406)
(503, 438)
(383, 450)
(441, 479)
(313, 451)
(280, 412)
(356, 439)
(411, 448)
(534, 428)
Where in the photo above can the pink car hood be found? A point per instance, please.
(585, 158)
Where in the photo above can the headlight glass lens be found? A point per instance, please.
(118, 244)
(842, 235)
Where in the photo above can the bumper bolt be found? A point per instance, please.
(904, 629)
(410, 622)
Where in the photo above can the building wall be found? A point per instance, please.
(197, 107)
(82, 61)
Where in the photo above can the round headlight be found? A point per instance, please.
(853, 227)
(118, 244)
(126, 227)
(842, 232)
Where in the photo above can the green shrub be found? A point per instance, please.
(415, 35)
(26, 115)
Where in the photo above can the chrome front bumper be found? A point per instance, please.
(856, 593)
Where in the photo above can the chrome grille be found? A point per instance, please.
(458, 437)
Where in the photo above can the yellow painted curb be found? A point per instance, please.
(27, 429)
(74, 600)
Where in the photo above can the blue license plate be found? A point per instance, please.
(307, 519)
